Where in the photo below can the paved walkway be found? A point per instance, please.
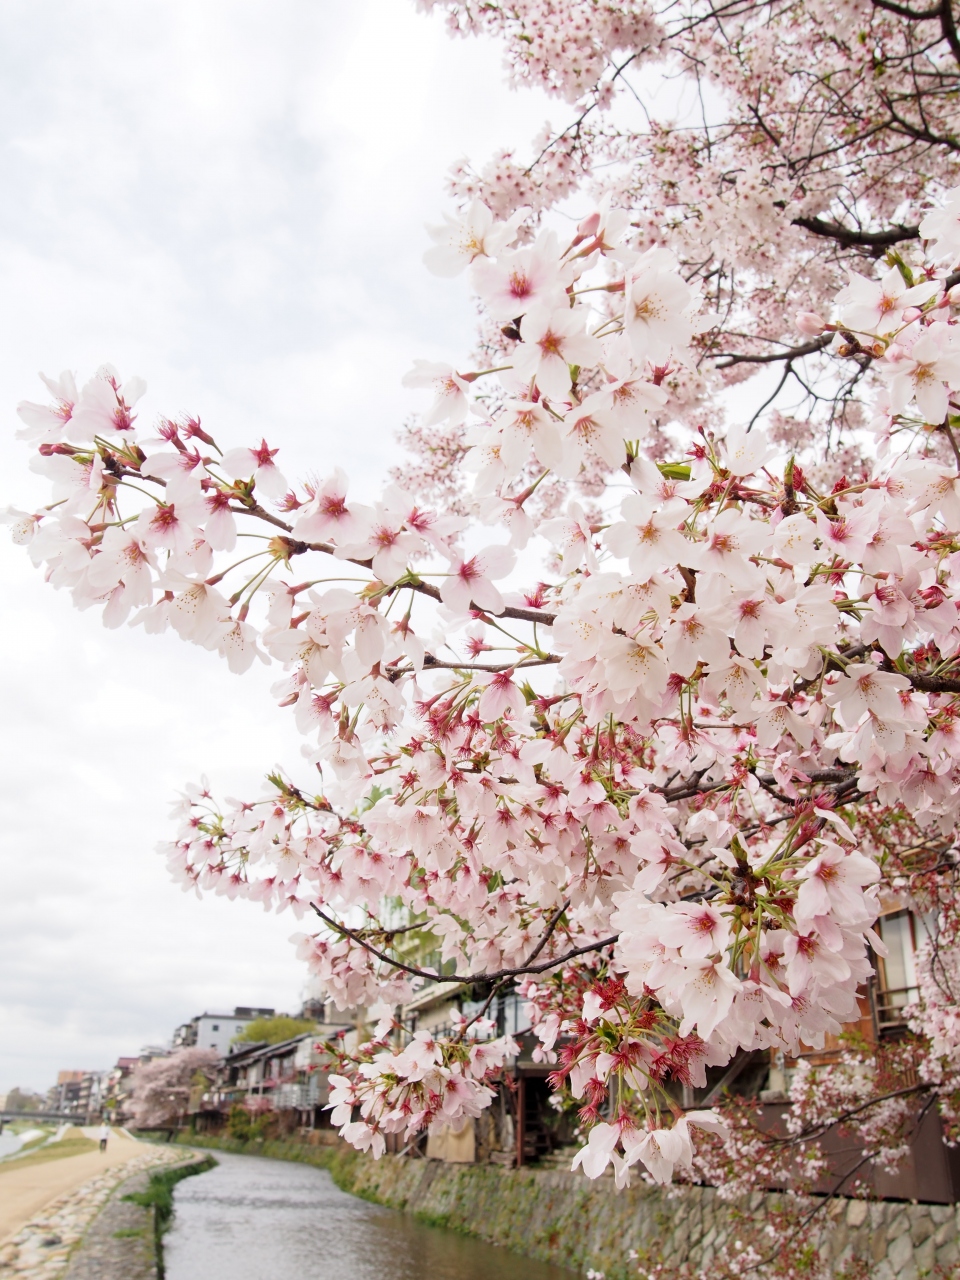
(56, 1235)
(24, 1191)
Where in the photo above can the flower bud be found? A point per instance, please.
(810, 323)
(590, 225)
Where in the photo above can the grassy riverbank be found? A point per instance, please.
(341, 1161)
(158, 1197)
(62, 1150)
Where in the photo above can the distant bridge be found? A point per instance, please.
(44, 1117)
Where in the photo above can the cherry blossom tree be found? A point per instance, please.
(160, 1089)
(659, 782)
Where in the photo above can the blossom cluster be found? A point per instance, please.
(644, 775)
(767, 152)
(427, 1083)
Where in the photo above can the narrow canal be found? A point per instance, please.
(256, 1219)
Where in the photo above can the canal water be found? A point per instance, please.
(9, 1143)
(256, 1219)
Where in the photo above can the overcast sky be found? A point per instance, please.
(226, 197)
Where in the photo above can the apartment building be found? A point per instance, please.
(217, 1030)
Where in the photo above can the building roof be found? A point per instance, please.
(242, 1013)
(261, 1049)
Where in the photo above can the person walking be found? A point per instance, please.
(104, 1135)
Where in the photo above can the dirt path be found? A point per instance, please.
(24, 1192)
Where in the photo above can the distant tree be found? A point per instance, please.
(23, 1100)
(273, 1030)
(160, 1090)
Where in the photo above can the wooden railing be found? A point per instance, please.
(890, 1005)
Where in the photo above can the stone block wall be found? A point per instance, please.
(565, 1219)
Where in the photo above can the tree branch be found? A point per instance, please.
(434, 664)
(791, 353)
(818, 1131)
(935, 684)
(949, 28)
(555, 920)
(463, 979)
(905, 11)
(294, 547)
(849, 236)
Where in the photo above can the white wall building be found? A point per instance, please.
(216, 1030)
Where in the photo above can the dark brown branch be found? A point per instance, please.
(463, 979)
(499, 985)
(818, 1131)
(791, 353)
(548, 932)
(850, 236)
(949, 27)
(905, 11)
(511, 611)
(935, 684)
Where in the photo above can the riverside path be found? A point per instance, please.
(27, 1184)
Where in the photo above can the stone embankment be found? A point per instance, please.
(120, 1242)
(563, 1218)
(43, 1248)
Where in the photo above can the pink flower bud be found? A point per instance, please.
(589, 226)
(912, 313)
(810, 323)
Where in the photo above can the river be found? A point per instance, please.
(256, 1219)
(9, 1142)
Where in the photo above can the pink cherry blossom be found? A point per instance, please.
(552, 341)
(47, 423)
(461, 240)
(521, 279)
(449, 389)
(877, 306)
(659, 307)
(923, 372)
(258, 463)
(470, 581)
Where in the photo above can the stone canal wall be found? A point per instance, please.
(120, 1243)
(563, 1218)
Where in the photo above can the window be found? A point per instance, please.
(239, 1029)
(215, 1027)
(902, 933)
